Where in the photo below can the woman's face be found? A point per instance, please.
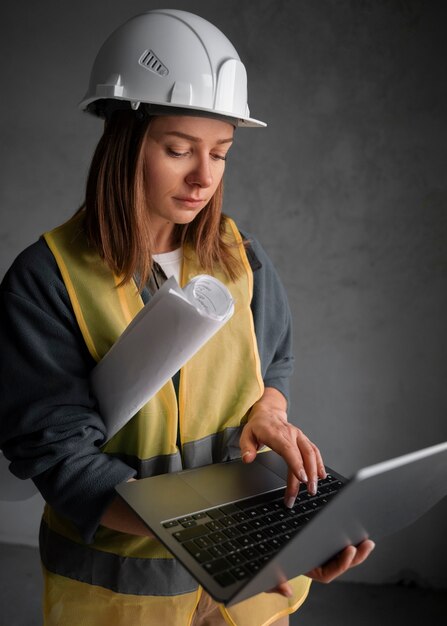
(185, 161)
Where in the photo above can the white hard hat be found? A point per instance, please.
(170, 58)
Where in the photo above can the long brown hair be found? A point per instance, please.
(116, 213)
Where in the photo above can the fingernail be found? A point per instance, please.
(312, 487)
(323, 472)
(289, 502)
(302, 476)
(246, 453)
(288, 591)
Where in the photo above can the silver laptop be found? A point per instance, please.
(227, 524)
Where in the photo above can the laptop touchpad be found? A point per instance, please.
(232, 481)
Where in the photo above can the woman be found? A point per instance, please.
(152, 209)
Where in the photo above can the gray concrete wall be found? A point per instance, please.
(345, 188)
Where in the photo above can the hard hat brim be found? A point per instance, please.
(164, 108)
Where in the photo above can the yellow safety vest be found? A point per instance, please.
(123, 579)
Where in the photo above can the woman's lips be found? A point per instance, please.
(190, 202)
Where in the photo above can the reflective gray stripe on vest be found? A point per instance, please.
(128, 575)
(163, 464)
(216, 448)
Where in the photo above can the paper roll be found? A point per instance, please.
(166, 333)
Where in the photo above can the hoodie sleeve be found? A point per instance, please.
(50, 429)
(272, 320)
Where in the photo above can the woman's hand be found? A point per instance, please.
(267, 425)
(119, 516)
(347, 558)
(341, 563)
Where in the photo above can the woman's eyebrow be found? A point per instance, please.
(196, 139)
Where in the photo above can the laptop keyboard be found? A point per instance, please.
(234, 541)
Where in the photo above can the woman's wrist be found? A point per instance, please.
(271, 400)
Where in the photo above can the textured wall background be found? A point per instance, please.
(345, 188)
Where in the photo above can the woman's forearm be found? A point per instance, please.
(119, 516)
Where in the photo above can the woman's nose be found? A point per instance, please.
(201, 174)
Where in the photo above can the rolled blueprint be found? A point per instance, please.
(164, 335)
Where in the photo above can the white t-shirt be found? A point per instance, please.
(170, 262)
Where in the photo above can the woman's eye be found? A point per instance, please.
(219, 157)
(176, 154)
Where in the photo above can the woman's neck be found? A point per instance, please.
(164, 239)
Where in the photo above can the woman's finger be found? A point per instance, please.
(284, 589)
(320, 463)
(307, 450)
(248, 444)
(292, 489)
(301, 455)
(347, 558)
(336, 566)
(364, 549)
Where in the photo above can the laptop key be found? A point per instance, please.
(236, 558)
(231, 533)
(214, 567)
(244, 527)
(252, 513)
(282, 527)
(305, 508)
(201, 556)
(190, 533)
(280, 515)
(250, 553)
(214, 525)
(265, 508)
(259, 535)
(275, 543)
(254, 566)
(326, 489)
(264, 548)
(231, 546)
(240, 572)
(189, 523)
(203, 542)
(279, 504)
(217, 537)
(224, 579)
(170, 524)
(201, 515)
(264, 558)
(244, 541)
(314, 505)
(215, 513)
(217, 551)
(258, 523)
